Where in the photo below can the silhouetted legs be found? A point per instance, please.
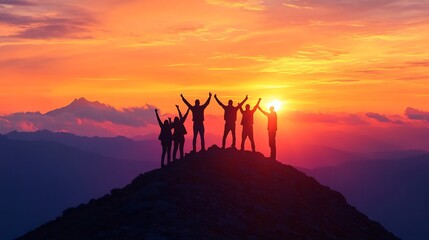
(181, 147)
(198, 129)
(178, 144)
(229, 127)
(272, 143)
(247, 132)
(166, 149)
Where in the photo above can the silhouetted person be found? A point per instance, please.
(198, 118)
(179, 132)
(247, 122)
(165, 137)
(230, 116)
(272, 129)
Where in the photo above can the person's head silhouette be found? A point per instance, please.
(166, 123)
(176, 120)
(197, 102)
(230, 102)
(271, 109)
(247, 107)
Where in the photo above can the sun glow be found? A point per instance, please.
(277, 104)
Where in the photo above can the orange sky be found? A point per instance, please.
(336, 55)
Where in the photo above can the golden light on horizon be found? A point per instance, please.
(124, 59)
(277, 104)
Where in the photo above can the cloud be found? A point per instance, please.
(416, 114)
(53, 31)
(378, 117)
(345, 118)
(422, 63)
(362, 4)
(385, 119)
(331, 118)
(253, 5)
(12, 19)
(82, 117)
(16, 2)
(46, 20)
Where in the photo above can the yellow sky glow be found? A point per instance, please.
(321, 56)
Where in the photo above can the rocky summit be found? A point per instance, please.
(216, 194)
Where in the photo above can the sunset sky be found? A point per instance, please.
(336, 55)
(359, 68)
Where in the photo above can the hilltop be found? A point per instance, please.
(218, 194)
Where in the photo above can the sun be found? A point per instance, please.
(277, 104)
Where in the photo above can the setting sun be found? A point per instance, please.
(277, 104)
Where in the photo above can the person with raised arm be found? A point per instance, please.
(179, 133)
(272, 129)
(230, 117)
(198, 119)
(247, 122)
(165, 137)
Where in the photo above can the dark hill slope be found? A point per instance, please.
(218, 194)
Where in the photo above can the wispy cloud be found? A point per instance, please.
(53, 31)
(17, 2)
(416, 114)
(382, 118)
(328, 53)
(254, 5)
(40, 20)
(329, 118)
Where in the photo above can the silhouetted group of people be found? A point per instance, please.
(177, 138)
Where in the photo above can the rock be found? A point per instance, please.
(151, 191)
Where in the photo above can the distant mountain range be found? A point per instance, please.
(84, 118)
(301, 155)
(393, 191)
(116, 147)
(218, 194)
(315, 156)
(39, 179)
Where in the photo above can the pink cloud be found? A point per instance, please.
(416, 114)
(83, 117)
(330, 118)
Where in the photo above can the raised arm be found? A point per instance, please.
(257, 105)
(186, 115)
(171, 126)
(185, 101)
(180, 113)
(208, 100)
(219, 102)
(262, 111)
(157, 118)
(241, 109)
(245, 99)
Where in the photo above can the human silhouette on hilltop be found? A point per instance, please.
(230, 116)
(247, 122)
(179, 132)
(198, 119)
(165, 137)
(272, 129)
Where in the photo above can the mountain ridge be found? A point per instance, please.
(79, 104)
